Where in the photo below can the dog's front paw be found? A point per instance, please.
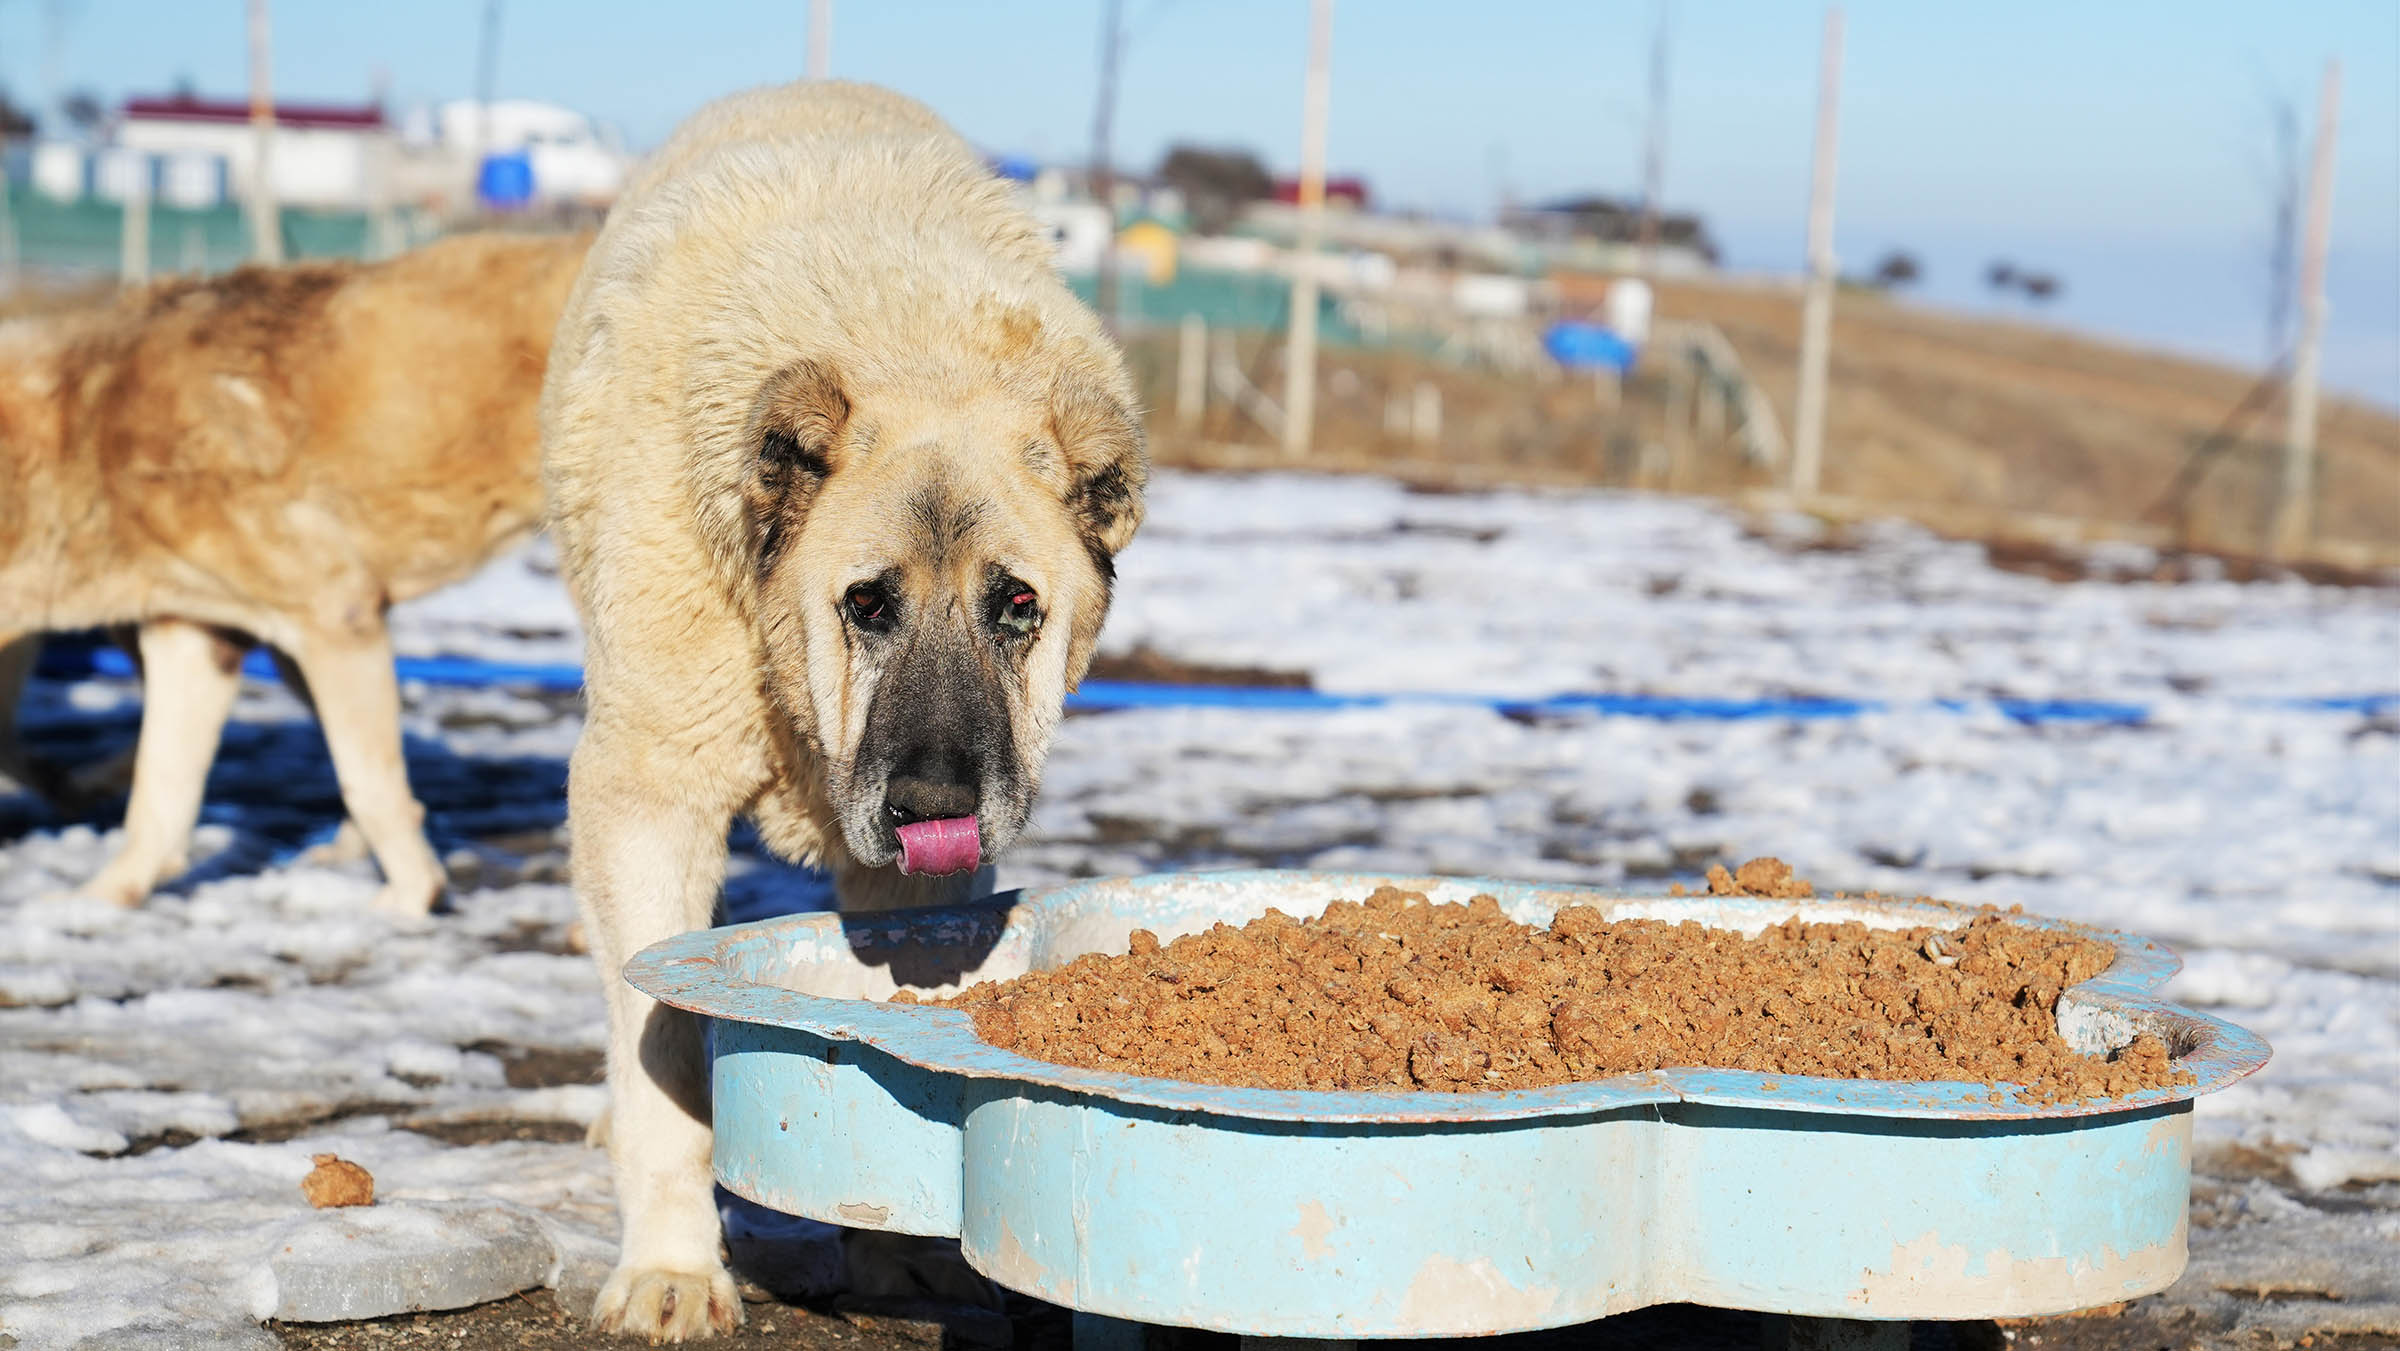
(348, 845)
(407, 902)
(668, 1306)
(122, 888)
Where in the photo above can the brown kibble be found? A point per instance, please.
(1141, 943)
(997, 1025)
(1515, 975)
(1581, 923)
(1399, 992)
(1770, 878)
(1443, 1061)
(336, 1181)
(1579, 1026)
(904, 996)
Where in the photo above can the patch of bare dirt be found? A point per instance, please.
(1146, 666)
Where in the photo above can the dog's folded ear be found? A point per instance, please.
(1108, 463)
(801, 416)
(798, 430)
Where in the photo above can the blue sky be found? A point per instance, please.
(2120, 144)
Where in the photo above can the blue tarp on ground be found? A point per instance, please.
(78, 657)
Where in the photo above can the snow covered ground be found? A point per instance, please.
(166, 1073)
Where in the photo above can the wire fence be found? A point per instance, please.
(86, 237)
(1977, 430)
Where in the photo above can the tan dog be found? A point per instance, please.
(272, 456)
(838, 467)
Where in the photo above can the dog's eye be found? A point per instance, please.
(869, 607)
(1016, 610)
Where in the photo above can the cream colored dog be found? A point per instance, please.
(271, 456)
(837, 468)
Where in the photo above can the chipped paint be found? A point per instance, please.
(1929, 1277)
(859, 1212)
(1012, 1266)
(1447, 1295)
(1315, 1225)
(2170, 1133)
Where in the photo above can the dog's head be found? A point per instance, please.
(930, 578)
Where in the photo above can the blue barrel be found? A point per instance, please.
(1578, 345)
(505, 181)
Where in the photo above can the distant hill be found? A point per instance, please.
(1979, 427)
(1936, 407)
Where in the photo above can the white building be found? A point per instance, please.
(573, 158)
(1078, 230)
(319, 155)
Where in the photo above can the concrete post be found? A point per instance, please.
(266, 226)
(1426, 419)
(1816, 315)
(1300, 388)
(1191, 372)
(820, 39)
(2295, 503)
(133, 234)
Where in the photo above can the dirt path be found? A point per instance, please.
(535, 1321)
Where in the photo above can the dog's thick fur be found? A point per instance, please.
(272, 456)
(837, 468)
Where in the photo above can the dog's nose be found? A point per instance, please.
(910, 798)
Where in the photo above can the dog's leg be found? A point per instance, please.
(17, 654)
(357, 697)
(349, 844)
(190, 674)
(648, 862)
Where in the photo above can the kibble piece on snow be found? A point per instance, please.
(336, 1181)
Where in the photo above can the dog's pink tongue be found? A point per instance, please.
(932, 848)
